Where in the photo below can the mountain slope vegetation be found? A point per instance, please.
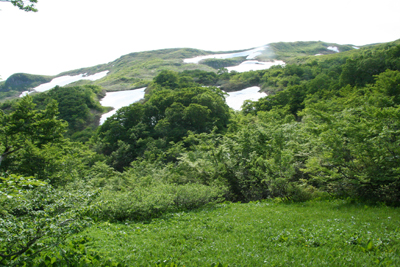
(326, 136)
(136, 70)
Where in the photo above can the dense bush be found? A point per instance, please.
(35, 217)
(147, 202)
(78, 105)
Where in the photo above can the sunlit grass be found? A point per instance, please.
(259, 234)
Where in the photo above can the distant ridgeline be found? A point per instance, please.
(136, 70)
(20, 82)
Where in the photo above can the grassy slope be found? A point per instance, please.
(259, 234)
(19, 82)
(288, 51)
(136, 70)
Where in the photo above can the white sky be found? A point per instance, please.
(71, 34)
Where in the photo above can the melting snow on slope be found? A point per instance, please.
(64, 80)
(333, 48)
(120, 99)
(249, 54)
(236, 99)
(255, 65)
(24, 93)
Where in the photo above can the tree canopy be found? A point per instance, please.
(28, 5)
(170, 111)
(26, 129)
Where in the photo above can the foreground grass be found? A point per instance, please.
(258, 234)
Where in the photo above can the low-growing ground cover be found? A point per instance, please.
(319, 233)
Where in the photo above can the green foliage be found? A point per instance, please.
(167, 79)
(73, 252)
(285, 51)
(154, 200)
(143, 129)
(21, 82)
(217, 63)
(329, 127)
(201, 77)
(25, 132)
(356, 149)
(360, 70)
(72, 163)
(239, 81)
(78, 105)
(36, 217)
(136, 70)
(28, 6)
(257, 161)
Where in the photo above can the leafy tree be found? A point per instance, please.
(28, 5)
(168, 79)
(388, 82)
(26, 128)
(356, 141)
(360, 70)
(166, 116)
(77, 105)
(202, 77)
(260, 157)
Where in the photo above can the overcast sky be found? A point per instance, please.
(70, 34)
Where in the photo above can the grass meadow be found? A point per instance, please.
(316, 233)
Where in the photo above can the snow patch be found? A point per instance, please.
(249, 54)
(120, 99)
(333, 48)
(255, 65)
(67, 79)
(24, 93)
(236, 99)
(249, 64)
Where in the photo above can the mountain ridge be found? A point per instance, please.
(137, 69)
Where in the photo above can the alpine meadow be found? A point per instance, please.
(308, 175)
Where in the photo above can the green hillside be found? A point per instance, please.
(136, 70)
(19, 82)
(307, 175)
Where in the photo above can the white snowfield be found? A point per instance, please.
(64, 80)
(248, 65)
(236, 99)
(333, 48)
(120, 99)
(24, 93)
(249, 54)
(255, 65)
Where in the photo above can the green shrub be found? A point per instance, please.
(35, 217)
(146, 202)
